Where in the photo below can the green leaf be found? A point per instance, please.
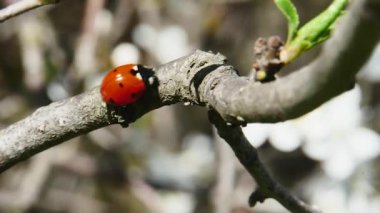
(322, 24)
(290, 12)
(314, 32)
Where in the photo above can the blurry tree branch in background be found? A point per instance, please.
(85, 60)
(22, 7)
(206, 79)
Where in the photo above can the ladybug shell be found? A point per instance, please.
(122, 85)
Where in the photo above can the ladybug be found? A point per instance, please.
(125, 84)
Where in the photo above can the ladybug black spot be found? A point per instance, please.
(133, 95)
(114, 70)
(112, 101)
(121, 85)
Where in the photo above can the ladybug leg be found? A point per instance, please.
(123, 115)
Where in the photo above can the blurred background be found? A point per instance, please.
(170, 160)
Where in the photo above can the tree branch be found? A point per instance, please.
(22, 7)
(249, 158)
(332, 73)
(205, 79)
(51, 125)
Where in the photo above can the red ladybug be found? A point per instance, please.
(124, 85)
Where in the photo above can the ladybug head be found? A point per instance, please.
(145, 74)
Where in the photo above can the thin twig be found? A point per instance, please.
(248, 156)
(22, 7)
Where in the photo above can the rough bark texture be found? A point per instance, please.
(51, 125)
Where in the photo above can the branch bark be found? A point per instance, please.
(206, 79)
(51, 125)
(22, 7)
